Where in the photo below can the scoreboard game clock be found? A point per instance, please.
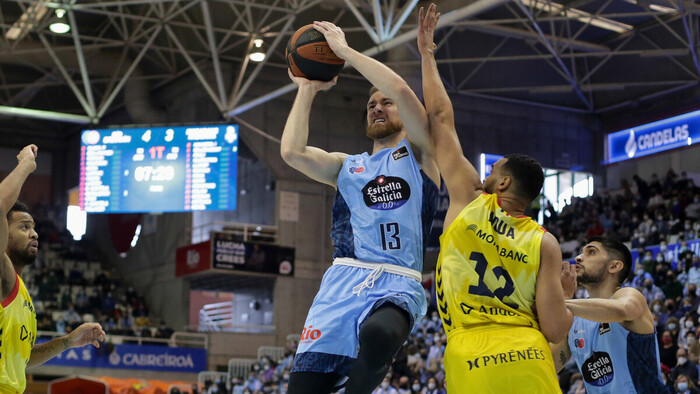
(159, 169)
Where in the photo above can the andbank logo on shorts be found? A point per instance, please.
(309, 334)
(356, 170)
(386, 192)
(598, 369)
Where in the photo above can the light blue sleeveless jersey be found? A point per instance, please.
(614, 360)
(384, 208)
(382, 214)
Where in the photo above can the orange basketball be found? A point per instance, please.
(309, 56)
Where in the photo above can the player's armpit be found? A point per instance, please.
(560, 353)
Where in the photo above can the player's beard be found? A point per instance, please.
(378, 131)
(21, 257)
(587, 277)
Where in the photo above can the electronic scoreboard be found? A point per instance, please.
(159, 169)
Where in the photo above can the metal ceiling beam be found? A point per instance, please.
(472, 9)
(214, 53)
(47, 115)
(551, 49)
(512, 32)
(81, 64)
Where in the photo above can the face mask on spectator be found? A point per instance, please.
(663, 247)
(686, 308)
(659, 258)
(689, 324)
(415, 387)
(657, 308)
(671, 326)
(640, 272)
(385, 385)
(266, 367)
(647, 257)
(687, 226)
(431, 386)
(691, 339)
(285, 377)
(667, 340)
(682, 386)
(682, 360)
(641, 239)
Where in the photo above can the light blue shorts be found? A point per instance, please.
(330, 339)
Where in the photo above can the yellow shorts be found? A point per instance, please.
(508, 360)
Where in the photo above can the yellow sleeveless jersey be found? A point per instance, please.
(487, 268)
(17, 335)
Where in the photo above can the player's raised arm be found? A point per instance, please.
(9, 192)
(459, 174)
(555, 319)
(411, 111)
(315, 163)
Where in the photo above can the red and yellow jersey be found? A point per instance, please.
(488, 266)
(17, 335)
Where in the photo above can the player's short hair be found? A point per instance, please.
(17, 207)
(617, 251)
(527, 175)
(373, 90)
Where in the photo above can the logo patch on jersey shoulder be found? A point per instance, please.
(356, 170)
(598, 369)
(386, 192)
(603, 328)
(579, 343)
(400, 153)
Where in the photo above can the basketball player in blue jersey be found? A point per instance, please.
(613, 339)
(17, 314)
(372, 295)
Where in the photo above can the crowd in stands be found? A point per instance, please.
(658, 212)
(67, 290)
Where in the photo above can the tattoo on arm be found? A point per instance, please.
(562, 357)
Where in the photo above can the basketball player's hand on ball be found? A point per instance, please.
(334, 36)
(314, 85)
(28, 155)
(87, 333)
(568, 279)
(426, 29)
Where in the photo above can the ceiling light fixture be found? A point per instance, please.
(257, 54)
(581, 16)
(60, 26)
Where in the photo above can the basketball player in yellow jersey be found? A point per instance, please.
(17, 314)
(496, 266)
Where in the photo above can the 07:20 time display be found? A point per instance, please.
(150, 173)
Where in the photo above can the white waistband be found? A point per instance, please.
(377, 270)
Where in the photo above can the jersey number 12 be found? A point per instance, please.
(482, 289)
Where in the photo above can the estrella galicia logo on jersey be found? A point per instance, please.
(579, 342)
(603, 328)
(356, 170)
(598, 369)
(400, 153)
(386, 192)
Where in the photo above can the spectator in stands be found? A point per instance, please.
(684, 366)
(668, 350)
(672, 288)
(692, 210)
(433, 387)
(651, 291)
(385, 387)
(71, 316)
(253, 383)
(640, 276)
(685, 385)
